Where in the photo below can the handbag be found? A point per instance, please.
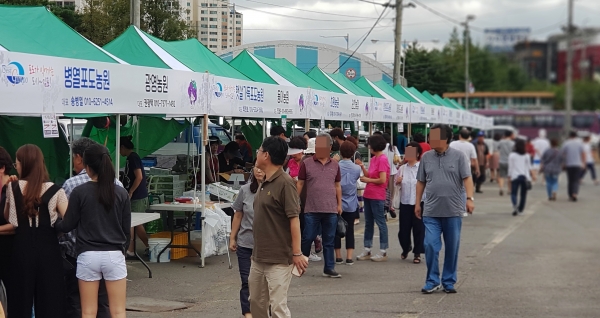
(340, 230)
(528, 185)
(397, 159)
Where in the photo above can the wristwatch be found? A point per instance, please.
(471, 198)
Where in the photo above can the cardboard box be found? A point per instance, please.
(198, 245)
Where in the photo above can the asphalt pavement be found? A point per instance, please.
(543, 263)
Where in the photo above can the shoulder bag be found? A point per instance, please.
(340, 230)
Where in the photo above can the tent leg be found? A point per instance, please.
(137, 133)
(203, 169)
(264, 124)
(117, 145)
(71, 138)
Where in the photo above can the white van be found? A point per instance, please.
(78, 126)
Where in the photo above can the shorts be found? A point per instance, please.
(94, 265)
(140, 205)
(503, 170)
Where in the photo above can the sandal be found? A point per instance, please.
(417, 260)
(405, 255)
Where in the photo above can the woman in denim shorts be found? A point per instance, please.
(101, 213)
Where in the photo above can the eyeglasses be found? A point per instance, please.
(258, 151)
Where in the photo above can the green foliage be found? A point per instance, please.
(163, 20)
(444, 71)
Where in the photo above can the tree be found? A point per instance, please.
(163, 20)
(103, 20)
(67, 14)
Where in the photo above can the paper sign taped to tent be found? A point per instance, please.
(50, 126)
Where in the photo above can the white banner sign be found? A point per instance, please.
(34, 85)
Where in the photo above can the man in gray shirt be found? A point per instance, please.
(505, 147)
(574, 160)
(444, 176)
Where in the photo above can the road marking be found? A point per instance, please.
(502, 235)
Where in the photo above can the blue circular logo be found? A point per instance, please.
(219, 91)
(15, 73)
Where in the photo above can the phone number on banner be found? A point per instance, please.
(156, 103)
(79, 101)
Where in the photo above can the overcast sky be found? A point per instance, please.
(543, 17)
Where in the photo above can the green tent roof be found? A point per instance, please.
(364, 85)
(407, 94)
(455, 103)
(421, 96)
(139, 48)
(35, 30)
(351, 86)
(386, 88)
(431, 98)
(443, 102)
(246, 63)
(332, 84)
(417, 97)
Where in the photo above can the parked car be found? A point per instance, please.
(78, 126)
(179, 145)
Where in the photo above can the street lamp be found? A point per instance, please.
(347, 37)
(374, 54)
(469, 18)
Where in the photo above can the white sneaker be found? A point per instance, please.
(364, 256)
(314, 257)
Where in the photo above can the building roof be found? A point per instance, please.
(500, 94)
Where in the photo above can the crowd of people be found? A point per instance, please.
(283, 217)
(301, 188)
(63, 248)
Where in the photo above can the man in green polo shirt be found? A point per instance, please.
(276, 232)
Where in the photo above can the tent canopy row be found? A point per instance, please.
(48, 68)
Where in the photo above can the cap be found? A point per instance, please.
(481, 133)
(294, 151)
(214, 139)
(311, 146)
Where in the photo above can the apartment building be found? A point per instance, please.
(217, 23)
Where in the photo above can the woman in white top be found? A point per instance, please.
(519, 172)
(406, 179)
(390, 152)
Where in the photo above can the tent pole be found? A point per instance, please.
(306, 125)
(392, 134)
(137, 134)
(117, 144)
(264, 128)
(203, 169)
(71, 138)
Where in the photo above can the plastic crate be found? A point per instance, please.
(163, 178)
(179, 238)
(156, 186)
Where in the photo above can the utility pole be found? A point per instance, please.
(398, 42)
(467, 47)
(569, 80)
(134, 10)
